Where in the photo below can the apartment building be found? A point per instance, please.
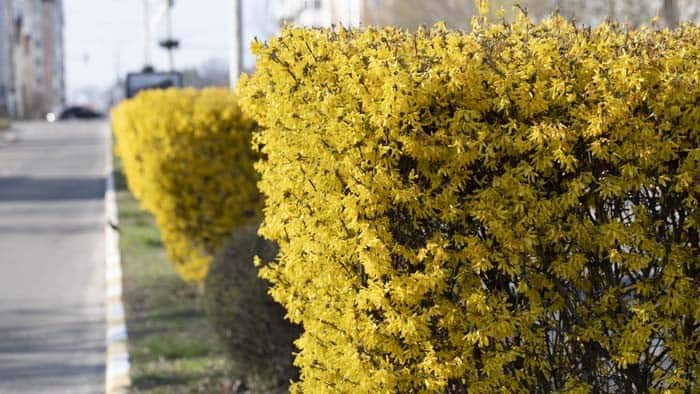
(6, 60)
(32, 75)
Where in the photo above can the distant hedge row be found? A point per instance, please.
(188, 160)
(513, 209)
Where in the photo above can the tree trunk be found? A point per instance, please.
(670, 13)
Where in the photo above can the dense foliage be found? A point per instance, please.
(188, 160)
(252, 328)
(513, 209)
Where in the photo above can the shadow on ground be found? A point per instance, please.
(25, 189)
(54, 353)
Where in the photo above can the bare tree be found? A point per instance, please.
(411, 14)
(457, 13)
(215, 72)
(212, 72)
(631, 12)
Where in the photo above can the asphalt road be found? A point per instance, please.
(52, 330)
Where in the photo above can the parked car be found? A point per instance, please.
(73, 112)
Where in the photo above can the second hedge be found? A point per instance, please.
(513, 209)
(250, 324)
(187, 159)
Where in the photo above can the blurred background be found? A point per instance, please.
(55, 53)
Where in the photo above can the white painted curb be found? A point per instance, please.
(117, 379)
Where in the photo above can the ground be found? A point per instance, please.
(172, 347)
(52, 187)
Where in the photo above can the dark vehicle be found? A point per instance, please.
(73, 112)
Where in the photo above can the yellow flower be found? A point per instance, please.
(522, 198)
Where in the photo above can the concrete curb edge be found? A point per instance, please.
(117, 379)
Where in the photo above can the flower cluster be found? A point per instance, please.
(510, 209)
(187, 158)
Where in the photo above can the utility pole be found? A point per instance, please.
(235, 54)
(169, 43)
(146, 34)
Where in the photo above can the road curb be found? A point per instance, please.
(117, 379)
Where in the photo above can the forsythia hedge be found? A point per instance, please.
(187, 158)
(513, 209)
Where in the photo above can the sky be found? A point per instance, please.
(105, 38)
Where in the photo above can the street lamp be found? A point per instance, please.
(169, 43)
(146, 35)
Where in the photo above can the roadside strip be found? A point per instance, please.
(117, 363)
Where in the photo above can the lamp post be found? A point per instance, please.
(146, 34)
(169, 43)
(235, 58)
